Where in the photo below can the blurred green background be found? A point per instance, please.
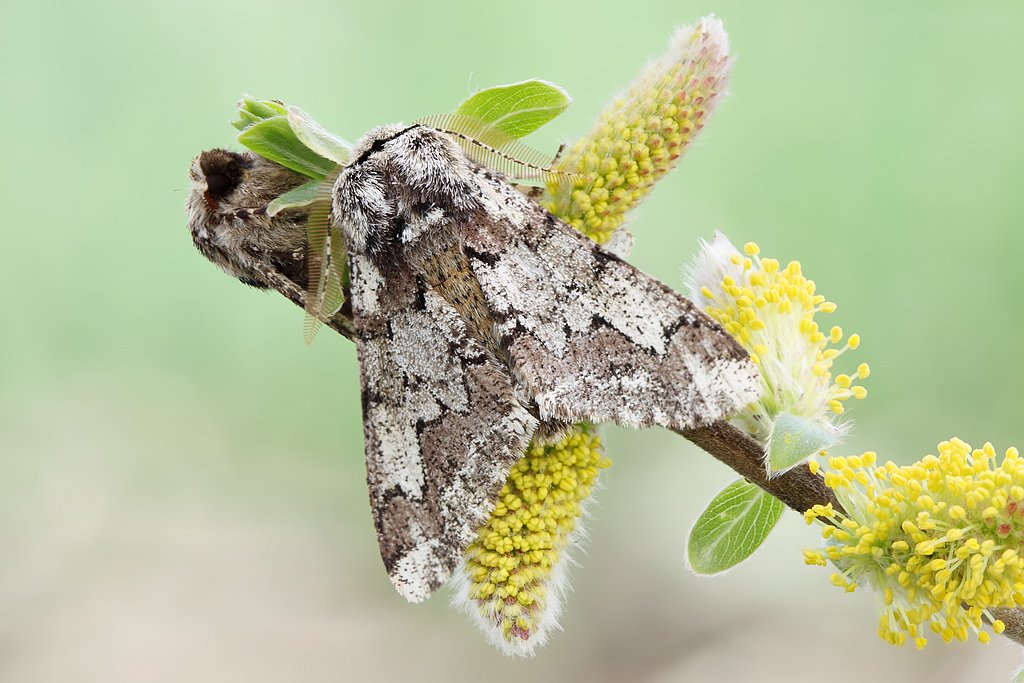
(181, 482)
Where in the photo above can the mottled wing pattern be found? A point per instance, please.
(592, 337)
(442, 425)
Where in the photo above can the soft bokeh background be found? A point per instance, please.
(181, 479)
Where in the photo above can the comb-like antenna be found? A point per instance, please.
(490, 147)
(325, 261)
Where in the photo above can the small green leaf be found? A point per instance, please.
(794, 439)
(274, 139)
(517, 109)
(251, 110)
(317, 138)
(733, 526)
(301, 196)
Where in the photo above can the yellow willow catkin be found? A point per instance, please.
(938, 540)
(642, 135)
(516, 566)
(515, 572)
(775, 313)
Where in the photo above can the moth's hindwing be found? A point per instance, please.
(592, 337)
(442, 425)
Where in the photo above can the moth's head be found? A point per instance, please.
(227, 212)
(404, 184)
(216, 174)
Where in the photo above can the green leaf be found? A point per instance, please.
(301, 196)
(317, 138)
(794, 439)
(251, 110)
(733, 526)
(517, 109)
(274, 139)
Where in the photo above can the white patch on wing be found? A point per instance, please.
(631, 310)
(401, 464)
(418, 569)
(370, 283)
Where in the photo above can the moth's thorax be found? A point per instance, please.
(407, 190)
(227, 213)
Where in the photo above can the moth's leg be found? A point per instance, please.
(342, 320)
(558, 154)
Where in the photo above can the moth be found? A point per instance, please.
(481, 321)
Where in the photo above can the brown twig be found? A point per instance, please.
(797, 488)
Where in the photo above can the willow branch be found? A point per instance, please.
(797, 488)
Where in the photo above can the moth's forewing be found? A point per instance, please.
(443, 424)
(590, 337)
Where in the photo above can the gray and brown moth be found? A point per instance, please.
(481, 320)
